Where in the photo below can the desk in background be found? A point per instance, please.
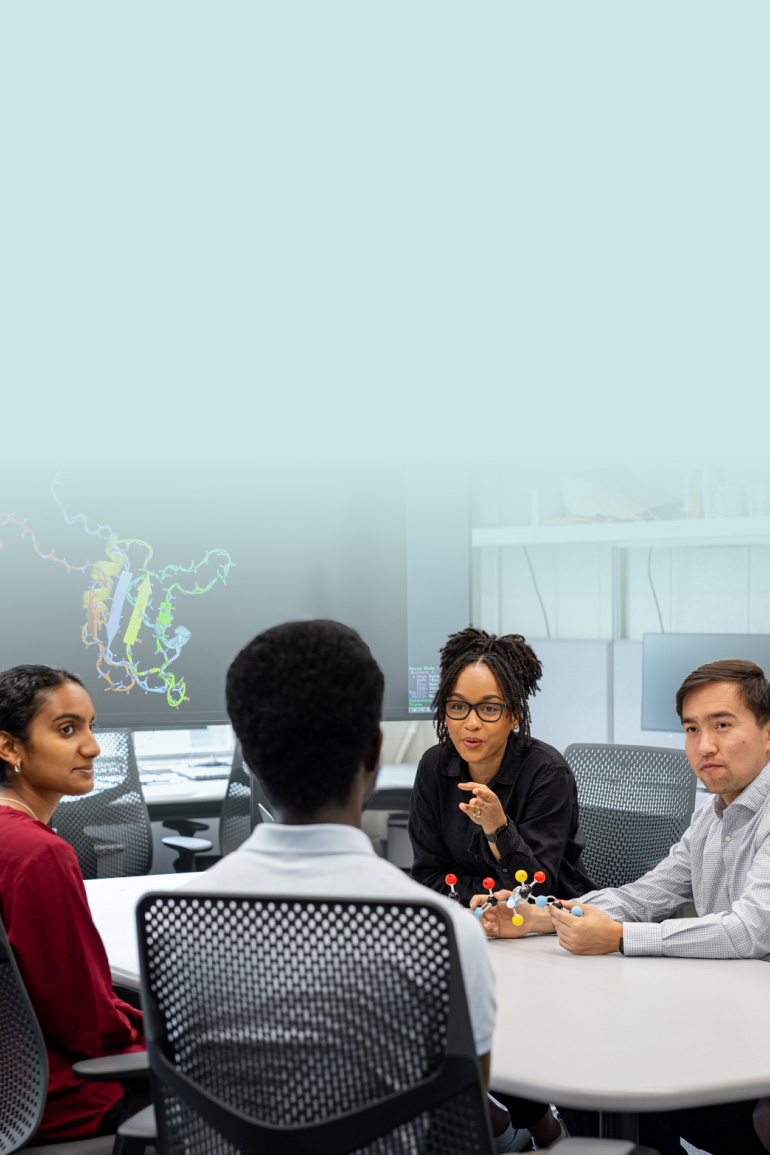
(606, 1033)
(169, 794)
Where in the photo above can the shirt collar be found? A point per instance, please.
(751, 797)
(509, 766)
(316, 838)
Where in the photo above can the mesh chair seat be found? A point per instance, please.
(635, 803)
(110, 827)
(278, 1023)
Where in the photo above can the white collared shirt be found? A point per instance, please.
(722, 864)
(330, 860)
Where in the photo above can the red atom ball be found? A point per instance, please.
(488, 883)
(450, 879)
(539, 876)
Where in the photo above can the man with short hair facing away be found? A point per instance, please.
(725, 711)
(305, 701)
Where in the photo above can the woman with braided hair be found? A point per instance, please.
(489, 799)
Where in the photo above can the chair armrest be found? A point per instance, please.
(114, 1068)
(190, 845)
(142, 1125)
(576, 1146)
(185, 826)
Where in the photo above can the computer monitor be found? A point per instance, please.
(667, 659)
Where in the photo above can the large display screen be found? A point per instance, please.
(147, 583)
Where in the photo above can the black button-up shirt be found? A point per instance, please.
(537, 791)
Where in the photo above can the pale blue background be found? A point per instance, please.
(353, 231)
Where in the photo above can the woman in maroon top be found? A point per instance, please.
(47, 750)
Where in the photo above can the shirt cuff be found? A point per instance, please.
(642, 938)
(503, 866)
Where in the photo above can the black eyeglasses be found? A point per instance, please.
(485, 711)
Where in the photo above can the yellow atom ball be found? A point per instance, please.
(520, 876)
(517, 920)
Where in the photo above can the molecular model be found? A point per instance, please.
(522, 893)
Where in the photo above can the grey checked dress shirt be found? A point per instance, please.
(722, 864)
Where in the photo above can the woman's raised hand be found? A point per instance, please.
(484, 807)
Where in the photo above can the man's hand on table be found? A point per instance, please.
(496, 921)
(594, 933)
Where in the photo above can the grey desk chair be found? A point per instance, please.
(635, 803)
(110, 827)
(235, 819)
(24, 1075)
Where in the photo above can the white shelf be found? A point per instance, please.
(684, 532)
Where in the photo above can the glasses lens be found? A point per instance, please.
(458, 710)
(490, 711)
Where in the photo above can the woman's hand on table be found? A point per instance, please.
(484, 807)
(496, 921)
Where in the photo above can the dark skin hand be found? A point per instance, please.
(496, 922)
(490, 816)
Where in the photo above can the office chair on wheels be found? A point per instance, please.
(635, 803)
(285, 1025)
(110, 827)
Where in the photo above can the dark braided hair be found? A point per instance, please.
(23, 690)
(513, 663)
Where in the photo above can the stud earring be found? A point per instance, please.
(18, 768)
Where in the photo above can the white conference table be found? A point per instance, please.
(613, 1034)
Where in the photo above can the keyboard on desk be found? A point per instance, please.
(205, 771)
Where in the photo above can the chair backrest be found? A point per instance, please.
(23, 1060)
(285, 1025)
(110, 827)
(635, 803)
(235, 817)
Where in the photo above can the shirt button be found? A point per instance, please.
(727, 838)
(504, 871)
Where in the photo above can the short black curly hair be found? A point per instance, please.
(305, 701)
(516, 669)
(23, 690)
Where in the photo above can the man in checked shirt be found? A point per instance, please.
(722, 864)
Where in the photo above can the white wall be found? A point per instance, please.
(599, 600)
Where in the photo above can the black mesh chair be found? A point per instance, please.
(273, 1023)
(24, 1074)
(110, 827)
(23, 1062)
(635, 803)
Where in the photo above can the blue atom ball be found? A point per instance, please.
(541, 900)
(478, 912)
(578, 910)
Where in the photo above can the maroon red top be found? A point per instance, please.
(64, 965)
